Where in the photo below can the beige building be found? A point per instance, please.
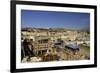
(42, 45)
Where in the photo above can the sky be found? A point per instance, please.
(53, 19)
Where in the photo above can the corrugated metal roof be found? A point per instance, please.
(73, 46)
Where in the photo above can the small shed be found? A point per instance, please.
(72, 47)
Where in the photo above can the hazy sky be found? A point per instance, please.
(53, 19)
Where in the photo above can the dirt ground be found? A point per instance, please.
(82, 54)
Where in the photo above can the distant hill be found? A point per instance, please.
(85, 29)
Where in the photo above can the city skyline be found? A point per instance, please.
(53, 19)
